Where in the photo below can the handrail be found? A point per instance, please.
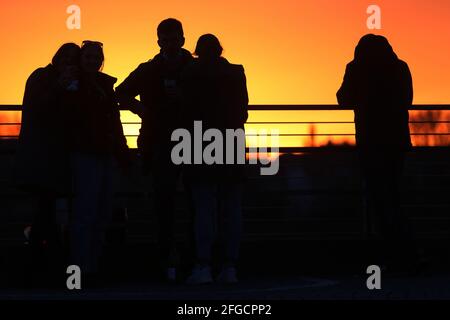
(303, 107)
(310, 107)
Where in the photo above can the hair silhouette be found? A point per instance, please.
(208, 46)
(93, 45)
(62, 51)
(87, 44)
(170, 25)
(374, 50)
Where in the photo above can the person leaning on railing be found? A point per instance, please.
(379, 87)
(157, 83)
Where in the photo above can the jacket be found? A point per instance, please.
(381, 95)
(215, 93)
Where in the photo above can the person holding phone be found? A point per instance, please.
(157, 82)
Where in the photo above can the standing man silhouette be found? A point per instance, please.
(157, 84)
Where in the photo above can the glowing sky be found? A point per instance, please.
(293, 51)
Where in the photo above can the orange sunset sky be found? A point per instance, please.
(293, 51)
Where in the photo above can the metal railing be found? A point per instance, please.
(320, 190)
(442, 119)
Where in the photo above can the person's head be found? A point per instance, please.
(67, 55)
(91, 57)
(374, 49)
(208, 47)
(170, 36)
(385, 49)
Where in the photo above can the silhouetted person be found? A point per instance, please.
(42, 161)
(215, 92)
(157, 84)
(96, 142)
(379, 86)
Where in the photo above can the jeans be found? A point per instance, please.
(92, 206)
(225, 199)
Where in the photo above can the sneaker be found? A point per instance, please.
(200, 275)
(228, 276)
(169, 265)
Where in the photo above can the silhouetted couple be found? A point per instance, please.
(175, 90)
(379, 86)
(71, 135)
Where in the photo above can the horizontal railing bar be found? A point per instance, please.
(264, 122)
(328, 107)
(348, 147)
(339, 134)
(300, 122)
(429, 121)
(311, 107)
(291, 122)
(318, 122)
(302, 135)
(325, 148)
(295, 135)
(10, 107)
(282, 135)
(430, 134)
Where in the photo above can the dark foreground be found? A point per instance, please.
(287, 270)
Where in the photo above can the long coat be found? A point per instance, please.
(42, 158)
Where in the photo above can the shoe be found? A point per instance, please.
(171, 274)
(200, 275)
(227, 276)
(169, 266)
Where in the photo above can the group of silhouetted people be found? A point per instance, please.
(72, 138)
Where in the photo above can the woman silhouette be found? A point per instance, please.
(42, 161)
(96, 141)
(215, 92)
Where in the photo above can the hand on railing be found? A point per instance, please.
(134, 106)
